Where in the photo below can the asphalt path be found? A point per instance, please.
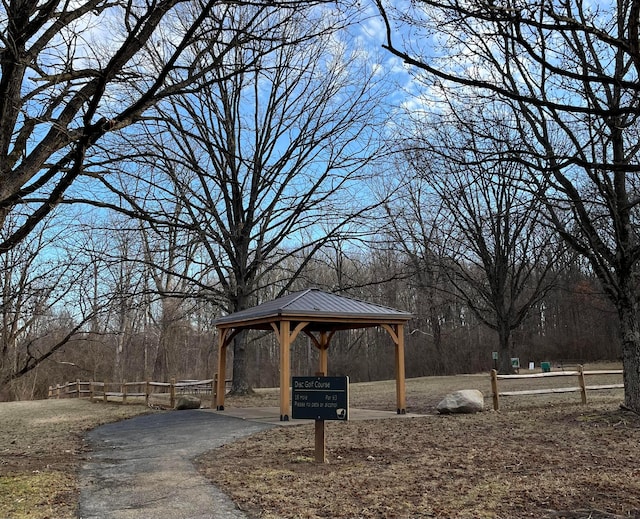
(142, 468)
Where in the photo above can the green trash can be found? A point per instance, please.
(546, 367)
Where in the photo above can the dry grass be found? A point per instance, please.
(542, 463)
(542, 456)
(40, 449)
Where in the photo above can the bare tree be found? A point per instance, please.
(266, 160)
(502, 257)
(415, 226)
(567, 72)
(169, 256)
(139, 280)
(35, 288)
(472, 227)
(71, 72)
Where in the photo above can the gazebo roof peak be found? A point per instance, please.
(315, 305)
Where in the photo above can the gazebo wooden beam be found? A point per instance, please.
(285, 369)
(225, 337)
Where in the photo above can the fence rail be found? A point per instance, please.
(580, 373)
(121, 391)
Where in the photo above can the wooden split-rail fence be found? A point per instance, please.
(123, 392)
(580, 373)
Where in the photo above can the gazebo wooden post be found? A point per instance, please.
(400, 375)
(323, 354)
(285, 369)
(396, 331)
(222, 368)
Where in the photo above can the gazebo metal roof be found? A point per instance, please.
(319, 315)
(324, 311)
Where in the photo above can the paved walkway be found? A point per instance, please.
(142, 468)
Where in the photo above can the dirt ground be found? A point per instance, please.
(559, 462)
(541, 456)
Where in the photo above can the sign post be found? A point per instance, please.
(320, 398)
(320, 451)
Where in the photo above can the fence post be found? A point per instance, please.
(494, 389)
(147, 388)
(78, 387)
(583, 387)
(104, 391)
(58, 391)
(172, 393)
(91, 391)
(124, 392)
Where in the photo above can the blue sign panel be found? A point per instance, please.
(320, 398)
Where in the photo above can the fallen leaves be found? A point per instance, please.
(490, 465)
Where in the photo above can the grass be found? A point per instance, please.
(41, 447)
(558, 461)
(541, 456)
(40, 494)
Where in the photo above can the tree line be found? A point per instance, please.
(133, 331)
(203, 158)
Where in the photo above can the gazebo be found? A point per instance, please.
(319, 315)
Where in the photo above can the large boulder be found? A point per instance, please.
(187, 402)
(463, 401)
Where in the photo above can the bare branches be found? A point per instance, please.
(511, 39)
(59, 96)
(567, 74)
(257, 152)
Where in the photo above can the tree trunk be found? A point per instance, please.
(439, 367)
(630, 331)
(240, 384)
(504, 351)
(160, 366)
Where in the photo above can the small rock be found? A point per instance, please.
(463, 401)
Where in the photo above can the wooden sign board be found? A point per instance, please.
(320, 398)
